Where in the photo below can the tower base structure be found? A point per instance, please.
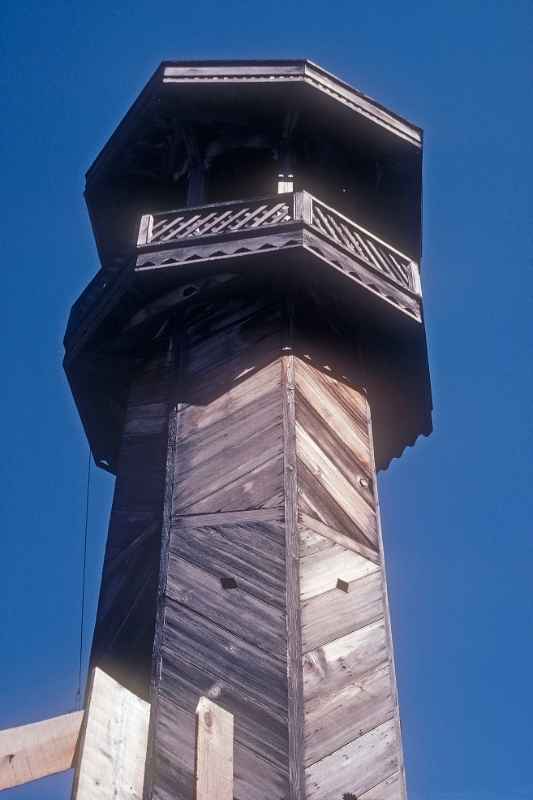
(244, 560)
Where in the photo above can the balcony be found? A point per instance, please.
(228, 231)
(267, 223)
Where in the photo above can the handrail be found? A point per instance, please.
(258, 213)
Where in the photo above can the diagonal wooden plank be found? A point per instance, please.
(320, 571)
(221, 599)
(342, 408)
(391, 788)
(258, 726)
(335, 613)
(251, 551)
(334, 720)
(311, 524)
(357, 767)
(334, 447)
(335, 665)
(316, 502)
(30, 752)
(338, 488)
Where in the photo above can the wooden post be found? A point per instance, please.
(214, 752)
(113, 747)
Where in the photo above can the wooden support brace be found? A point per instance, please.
(214, 752)
(34, 751)
(113, 745)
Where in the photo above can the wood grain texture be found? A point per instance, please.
(320, 571)
(334, 719)
(348, 680)
(271, 507)
(214, 752)
(335, 613)
(235, 609)
(258, 725)
(254, 777)
(114, 743)
(329, 668)
(294, 636)
(231, 446)
(355, 768)
(125, 624)
(251, 552)
(391, 788)
(30, 752)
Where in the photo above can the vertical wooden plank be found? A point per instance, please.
(145, 230)
(113, 747)
(214, 752)
(30, 752)
(294, 633)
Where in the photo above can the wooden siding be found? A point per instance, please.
(247, 469)
(223, 607)
(124, 632)
(351, 732)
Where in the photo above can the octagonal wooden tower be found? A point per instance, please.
(250, 352)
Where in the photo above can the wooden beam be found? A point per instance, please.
(34, 751)
(113, 745)
(214, 752)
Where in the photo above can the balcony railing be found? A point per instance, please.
(279, 210)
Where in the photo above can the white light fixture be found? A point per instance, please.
(285, 183)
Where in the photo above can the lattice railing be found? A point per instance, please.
(190, 223)
(364, 245)
(225, 218)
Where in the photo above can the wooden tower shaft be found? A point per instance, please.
(244, 559)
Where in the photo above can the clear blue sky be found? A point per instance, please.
(457, 509)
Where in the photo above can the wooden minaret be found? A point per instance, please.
(250, 353)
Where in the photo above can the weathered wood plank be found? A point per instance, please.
(293, 621)
(357, 767)
(342, 408)
(312, 525)
(334, 447)
(258, 725)
(330, 668)
(390, 789)
(30, 752)
(334, 614)
(254, 777)
(114, 743)
(335, 719)
(194, 418)
(320, 571)
(251, 552)
(316, 501)
(200, 642)
(342, 492)
(251, 619)
(214, 752)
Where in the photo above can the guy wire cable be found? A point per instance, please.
(83, 575)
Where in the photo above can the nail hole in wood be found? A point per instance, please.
(344, 586)
(228, 583)
(349, 796)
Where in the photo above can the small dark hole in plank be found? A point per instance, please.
(228, 583)
(343, 585)
(349, 796)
